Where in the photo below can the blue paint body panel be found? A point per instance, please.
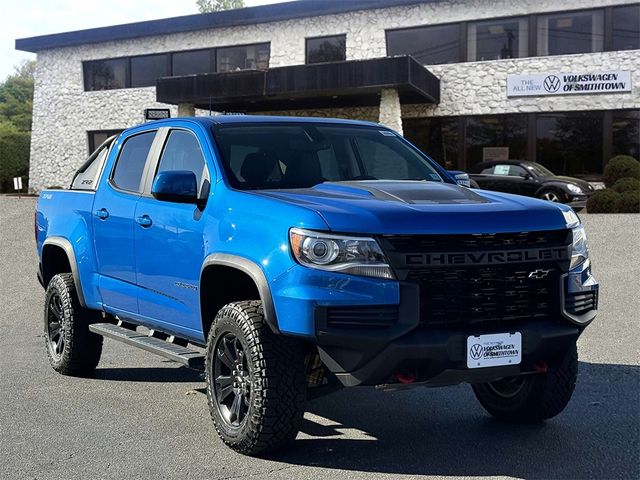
(151, 274)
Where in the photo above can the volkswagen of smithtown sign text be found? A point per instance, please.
(289, 257)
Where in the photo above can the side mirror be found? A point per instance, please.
(178, 186)
(461, 178)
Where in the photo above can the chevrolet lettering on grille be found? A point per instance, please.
(486, 258)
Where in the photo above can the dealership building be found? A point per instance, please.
(549, 81)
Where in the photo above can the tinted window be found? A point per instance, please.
(247, 57)
(146, 70)
(303, 155)
(106, 74)
(195, 61)
(182, 152)
(488, 132)
(130, 164)
(569, 33)
(86, 178)
(326, 49)
(626, 27)
(626, 133)
(497, 39)
(438, 137)
(570, 143)
(428, 45)
(97, 137)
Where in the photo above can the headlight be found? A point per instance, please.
(574, 188)
(338, 253)
(579, 249)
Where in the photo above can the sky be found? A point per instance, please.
(29, 18)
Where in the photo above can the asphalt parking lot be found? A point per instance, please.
(143, 417)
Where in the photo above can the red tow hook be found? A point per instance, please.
(406, 378)
(540, 367)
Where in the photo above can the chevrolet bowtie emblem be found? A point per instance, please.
(539, 273)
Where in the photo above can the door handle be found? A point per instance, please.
(102, 214)
(144, 221)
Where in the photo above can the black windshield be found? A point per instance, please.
(300, 155)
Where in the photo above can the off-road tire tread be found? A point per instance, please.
(278, 381)
(82, 348)
(546, 396)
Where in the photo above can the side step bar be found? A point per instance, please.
(177, 353)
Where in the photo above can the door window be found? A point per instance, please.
(182, 152)
(127, 174)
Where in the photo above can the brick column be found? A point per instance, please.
(390, 110)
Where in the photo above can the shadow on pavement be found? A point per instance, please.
(161, 375)
(445, 432)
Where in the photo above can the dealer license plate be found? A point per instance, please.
(494, 350)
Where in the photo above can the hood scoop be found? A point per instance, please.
(409, 192)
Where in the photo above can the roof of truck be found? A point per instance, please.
(239, 119)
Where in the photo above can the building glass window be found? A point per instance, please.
(570, 143)
(145, 70)
(127, 173)
(247, 57)
(488, 132)
(193, 61)
(106, 74)
(326, 49)
(438, 137)
(626, 27)
(428, 45)
(497, 39)
(571, 32)
(97, 137)
(626, 133)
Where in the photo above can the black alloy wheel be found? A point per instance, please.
(232, 380)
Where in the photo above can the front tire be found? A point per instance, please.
(72, 349)
(531, 398)
(256, 382)
(551, 195)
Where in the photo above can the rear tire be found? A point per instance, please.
(531, 398)
(72, 349)
(256, 382)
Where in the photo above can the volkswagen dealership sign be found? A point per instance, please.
(568, 83)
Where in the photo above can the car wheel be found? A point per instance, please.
(72, 349)
(550, 195)
(531, 398)
(256, 382)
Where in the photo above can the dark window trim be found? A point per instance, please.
(318, 37)
(212, 66)
(532, 25)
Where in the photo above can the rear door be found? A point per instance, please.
(170, 239)
(112, 217)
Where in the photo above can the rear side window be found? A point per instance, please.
(87, 176)
(128, 172)
(182, 152)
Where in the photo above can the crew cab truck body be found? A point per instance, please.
(304, 254)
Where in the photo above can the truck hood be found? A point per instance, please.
(387, 207)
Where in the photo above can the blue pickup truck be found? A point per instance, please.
(288, 257)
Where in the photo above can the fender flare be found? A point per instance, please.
(257, 275)
(71, 256)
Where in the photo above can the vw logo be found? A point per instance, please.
(539, 273)
(551, 84)
(476, 351)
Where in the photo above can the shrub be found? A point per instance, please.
(628, 202)
(14, 159)
(602, 201)
(626, 184)
(620, 167)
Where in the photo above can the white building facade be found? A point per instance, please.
(496, 62)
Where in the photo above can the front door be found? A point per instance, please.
(112, 217)
(169, 243)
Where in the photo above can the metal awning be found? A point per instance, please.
(323, 85)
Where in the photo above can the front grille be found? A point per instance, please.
(484, 296)
(377, 316)
(492, 241)
(580, 303)
(501, 293)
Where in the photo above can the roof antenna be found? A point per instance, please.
(209, 105)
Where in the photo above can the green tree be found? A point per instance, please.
(207, 6)
(16, 97)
